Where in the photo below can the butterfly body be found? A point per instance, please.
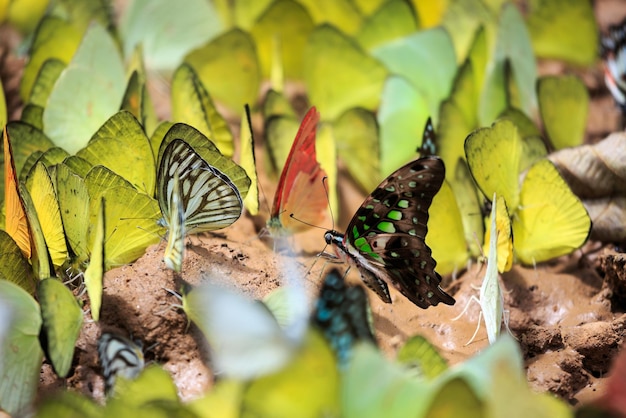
(300, 190)
(385, 238)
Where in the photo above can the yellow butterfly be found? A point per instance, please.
(547, 219)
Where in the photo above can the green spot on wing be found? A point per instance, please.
(403, 203)
(396, 215)
(362, 245)
(386, 227)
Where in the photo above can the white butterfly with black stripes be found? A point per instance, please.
(194, 196)
(119, 356)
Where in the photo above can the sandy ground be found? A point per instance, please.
(569, 322)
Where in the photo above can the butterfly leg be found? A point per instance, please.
(472, 299)
(505, 316)
(480, 317)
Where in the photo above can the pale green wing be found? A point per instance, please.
(167, 33)
(62, 320)
(87, 93)
(339, 74)
(14, 266)
(54, 39)
(20, 351)
(122, 146)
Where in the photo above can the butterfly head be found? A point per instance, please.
(334, 238)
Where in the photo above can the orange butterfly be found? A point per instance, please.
(300, 190)
(16, 223)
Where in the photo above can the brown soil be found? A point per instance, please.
(569, 322)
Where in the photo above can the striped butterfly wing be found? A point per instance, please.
(385, 239)
(341, 313)
(210, 200)
(119, 356)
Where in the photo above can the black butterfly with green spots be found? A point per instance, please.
(385, 238)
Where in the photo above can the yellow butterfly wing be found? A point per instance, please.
(192, 104)
(247, 160)
(74, 206)
(551, 221)
(494, 155)
(445, 235)
(504, 242)
(130, 217)
(95, 271)
(122, 146)
(39, 257)
(41, 189)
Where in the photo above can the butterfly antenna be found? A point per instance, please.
(330, 208)
(292, 216)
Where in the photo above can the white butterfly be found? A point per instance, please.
(491, 299)
(119, 357)
(194, 196)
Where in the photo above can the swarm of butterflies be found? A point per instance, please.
(82, 195)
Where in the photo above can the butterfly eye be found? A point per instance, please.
(328, 237)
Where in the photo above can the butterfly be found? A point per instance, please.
(547, 219)
(119, 356)
(341, 313)
(16, 223)
(300, 189)
(613, 46)
(385, 238)
(491, 299)
(193, 196)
